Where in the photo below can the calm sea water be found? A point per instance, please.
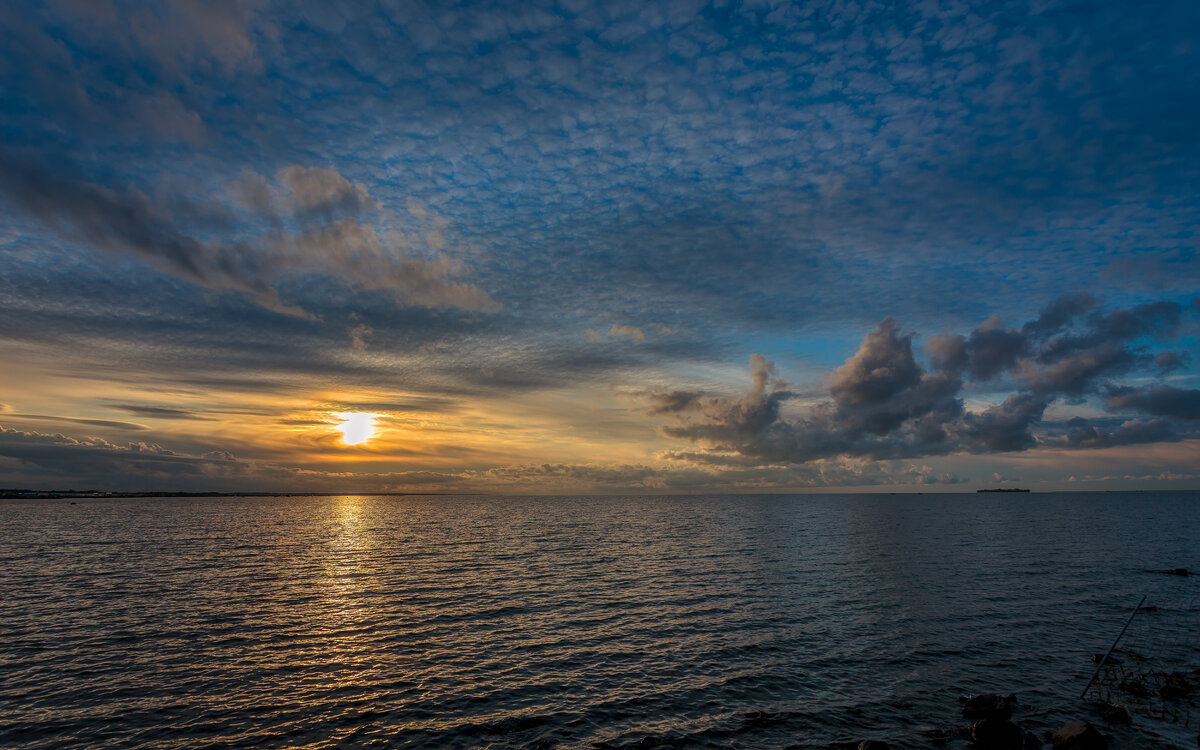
(570, 622)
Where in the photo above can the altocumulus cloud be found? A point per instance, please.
(311, 221)
(883, 404)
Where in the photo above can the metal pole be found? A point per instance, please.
(1114, 645)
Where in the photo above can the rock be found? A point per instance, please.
(1115, 714)
(1177, 572)
(989, 706)
(1031, 742)
(1134, 687)
(873, 745)
(996, 734)
(1079, 735)
(1175, 687)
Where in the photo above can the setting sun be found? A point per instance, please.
(357, 427)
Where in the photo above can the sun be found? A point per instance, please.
(357, 427)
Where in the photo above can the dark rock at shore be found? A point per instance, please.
(1135, 687)
(989, 706)
(1031, 742)
(1115, 714)
(996, 734)
(1175, 687)
(873, 745)
(1079, 735)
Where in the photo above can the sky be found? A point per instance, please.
(592, 247)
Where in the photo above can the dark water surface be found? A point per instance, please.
(444, 622)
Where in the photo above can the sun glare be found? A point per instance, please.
(356, 427)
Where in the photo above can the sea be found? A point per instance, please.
(732, 621)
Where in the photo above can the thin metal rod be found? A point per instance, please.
(1114, 645)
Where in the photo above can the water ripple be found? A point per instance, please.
(716, 622)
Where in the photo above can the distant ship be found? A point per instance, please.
(1005, 489)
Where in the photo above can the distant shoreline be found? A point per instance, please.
(98, 494)
(28, 494)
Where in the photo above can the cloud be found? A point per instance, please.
(765, 181)
(629, 331)
(883, 404)
(52, 459)
(673, 402)
(121, 222)
(109, 423)
(1081, 433)
(992, 349)
(1160, 401)
(1070, 347)
(129, 222)
(253, 192)
(101, 460)
(358, 254)
(358, 336)
(160, 412)
(1071, 361)
(624, 331)
(1170, 361)
(1005, 427)
(177, 35)
(323, 190)
(882, 387)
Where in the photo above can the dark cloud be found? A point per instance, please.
(1075, 372)
(1006, 426)
(884, 409)
(109, 423)
(1082, 433)
(1067, 350)
(948, 352)
(93, 458)
(883, 404)
(882, 367)
(882, 387)
(675, 401)
(993, 349)
(1070, 360)
(160, 412)
(727, 422)
(1059, 314)
(1160, 401)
